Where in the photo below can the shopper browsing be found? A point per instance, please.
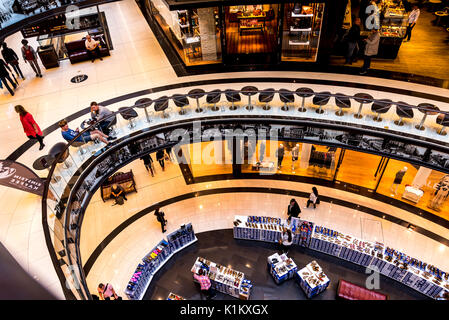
(313, 198)
(4, 75)
(12, 59)
(93, 48)
(205, 284)
(160, 216)
(371, 49)
(30, 127)
(293, 209)
(286, 240)
(412, 19)
(29, 55)
(69, 134)
(106, 292)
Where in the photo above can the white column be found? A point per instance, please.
(305, 155)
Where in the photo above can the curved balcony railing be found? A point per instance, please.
(423, 123)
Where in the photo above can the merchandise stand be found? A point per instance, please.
(281, 267)
(312, 279)
(224, 279)
(156, 259)
(424, 278)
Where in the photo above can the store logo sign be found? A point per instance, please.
(16, 175)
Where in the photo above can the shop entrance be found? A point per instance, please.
(251, 32)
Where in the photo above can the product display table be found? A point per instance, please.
(312, 279)
(424, 278)
(281, 267)
(224, 279)
(263, 166)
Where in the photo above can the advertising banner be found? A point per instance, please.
(18, 176)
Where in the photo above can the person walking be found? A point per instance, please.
(4, 75)
(148, 163)
(29, 55)
(280, 155)
(353, 39)
(313, 198)
(93, 48)
(371, 49)
(293, 209)
(412, 19)
(205, 284)
(30, 127)
(12, 59)
(160, 216)
(160, 157)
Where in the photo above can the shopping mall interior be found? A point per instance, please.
(219, 115)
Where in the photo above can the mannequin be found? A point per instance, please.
(398, 180)
(295, 154)
(441, 193)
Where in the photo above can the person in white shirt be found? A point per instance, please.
(93, 48)
(412, 19)
(313, 198)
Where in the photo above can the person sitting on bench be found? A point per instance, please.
(117, 191)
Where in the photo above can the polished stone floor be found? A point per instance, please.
(250, 258)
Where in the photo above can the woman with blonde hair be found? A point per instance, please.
(30, 126)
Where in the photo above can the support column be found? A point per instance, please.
(305, 155)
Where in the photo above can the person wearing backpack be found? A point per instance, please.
(29, 55)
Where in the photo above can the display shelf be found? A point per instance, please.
(299, 15)
(298, 43)
(418, 275)
(293, 29)
(156, 259)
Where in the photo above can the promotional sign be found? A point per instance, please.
(18, 176)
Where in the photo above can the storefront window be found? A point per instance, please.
(301, 31)
(209, 158)
(251, 29)
(194, 33)
(423, 187)
(362, 169)
(300, 159)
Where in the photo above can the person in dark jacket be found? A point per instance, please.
(353, 39)
(118, 191)
(160, 157)
(293, 209)
(160, 216)
(4, 75)
(12, 59)
(148, 162)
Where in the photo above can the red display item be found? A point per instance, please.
(349, 291)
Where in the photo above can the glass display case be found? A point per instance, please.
(301, 31)
(394, 19)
